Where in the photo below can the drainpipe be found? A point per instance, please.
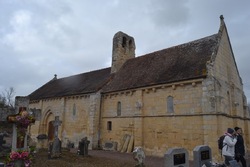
(99, 123)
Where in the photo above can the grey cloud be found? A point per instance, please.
(73, 37)
(169, 13)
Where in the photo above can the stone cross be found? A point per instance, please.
(55, 146)
(56, 124)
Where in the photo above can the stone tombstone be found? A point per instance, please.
(56, 145)
(42, 141)
(139, 156)
(202, 156)
(176, 157)
(55, 148)
(83, 147)
(110, 146)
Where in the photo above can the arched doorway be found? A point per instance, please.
(51, 131)
(48, 127)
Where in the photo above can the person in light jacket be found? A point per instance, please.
(228, 150)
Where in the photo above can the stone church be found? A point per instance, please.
(182, 96)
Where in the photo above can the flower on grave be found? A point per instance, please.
(20, 155)
(23, 120)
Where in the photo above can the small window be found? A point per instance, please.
(119, 110)
(109, 125)
(170, 104)
(124, 41)
(74, 110)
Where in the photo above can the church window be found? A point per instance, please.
(170, 104)
(74, 109)
(109, 125)
(119, 110)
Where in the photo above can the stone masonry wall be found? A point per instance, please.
(79, 116)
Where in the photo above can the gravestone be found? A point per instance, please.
(110, 146)
(202, 156)
(176, 157)
(83, 147)
(42, 141)
(55, 146)
(139, 156)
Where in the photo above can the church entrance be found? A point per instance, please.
(51, 131)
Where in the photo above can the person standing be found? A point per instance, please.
(240, 147)
(228, 151)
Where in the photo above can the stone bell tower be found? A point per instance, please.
(123, 49)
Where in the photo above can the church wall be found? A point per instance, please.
(75, 119)
(231, 87)
(79, 116)
(151, 125)
(35, 127)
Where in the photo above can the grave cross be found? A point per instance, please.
(55, 146)
(56, 124)
(21, 122)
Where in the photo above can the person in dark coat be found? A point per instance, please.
(240, 147)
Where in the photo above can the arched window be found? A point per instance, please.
(170, 104)
(119, 108)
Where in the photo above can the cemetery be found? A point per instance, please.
(174, 157)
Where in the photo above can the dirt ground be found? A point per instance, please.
(96, 158)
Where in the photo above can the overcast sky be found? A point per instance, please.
(40, 38)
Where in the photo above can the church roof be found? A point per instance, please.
(74, 85)
(178, 63)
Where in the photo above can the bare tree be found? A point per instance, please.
(2, 101)
(7, 97)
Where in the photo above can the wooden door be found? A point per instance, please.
(51, 131)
